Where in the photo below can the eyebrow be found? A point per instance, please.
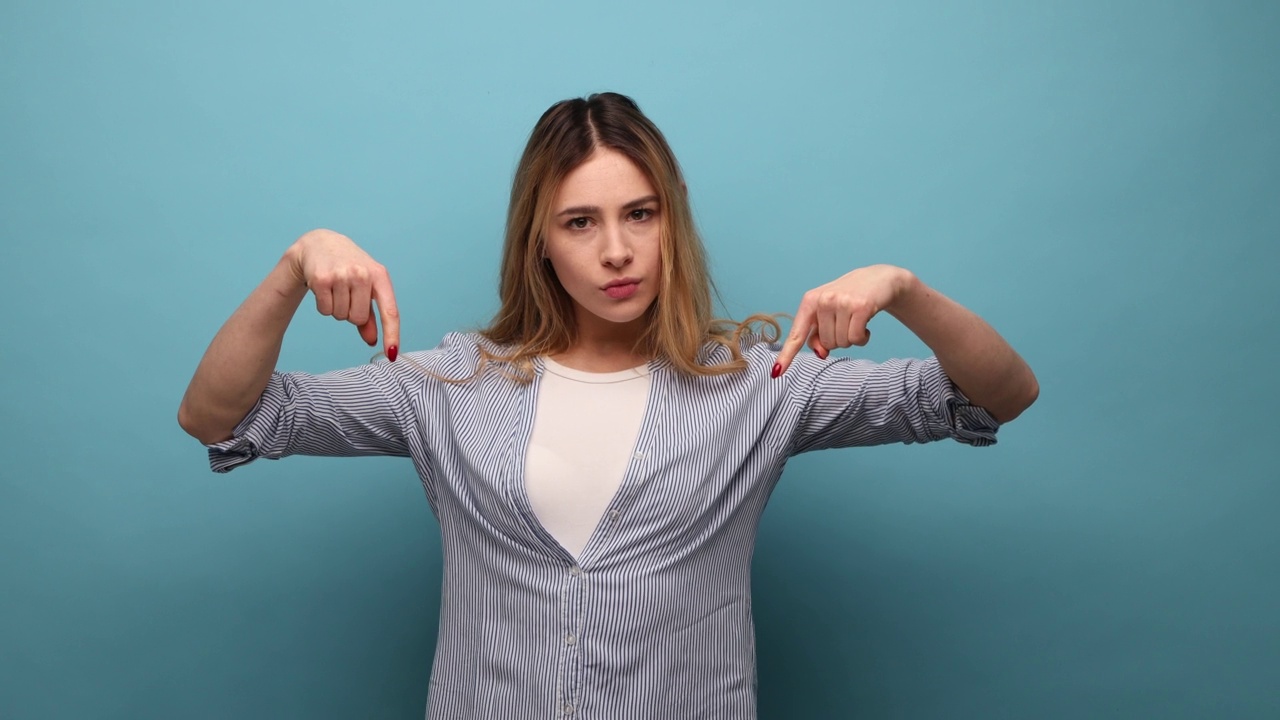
(593, 210)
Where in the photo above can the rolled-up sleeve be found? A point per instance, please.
(360, 411)
(845, 402)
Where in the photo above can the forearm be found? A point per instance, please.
(237, 365)
(971, 352)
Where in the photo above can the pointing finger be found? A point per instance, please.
(386, 299)
(800, 330)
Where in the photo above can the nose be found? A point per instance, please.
(616, 251)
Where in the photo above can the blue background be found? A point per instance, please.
(1101, 180)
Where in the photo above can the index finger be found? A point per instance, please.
(800, 329)
(385, 297)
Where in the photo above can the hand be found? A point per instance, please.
(347, 282)
(835, 315)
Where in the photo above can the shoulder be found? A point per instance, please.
(756, 350)
(457, 351)
(457, 346)
(461, 360)
(727, 371)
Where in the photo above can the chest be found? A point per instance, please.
(692, 460)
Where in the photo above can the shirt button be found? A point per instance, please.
(568, 709)
(570, 639)
(575, 571)
(639, 456)
(613, 514)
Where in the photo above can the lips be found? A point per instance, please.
(622, 289)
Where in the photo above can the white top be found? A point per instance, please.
(584, 430)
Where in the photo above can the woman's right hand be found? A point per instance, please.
(347, 282)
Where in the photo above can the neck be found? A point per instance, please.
(607, 347)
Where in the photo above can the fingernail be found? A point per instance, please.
(823, 354)
(777, 370)
(392, 352)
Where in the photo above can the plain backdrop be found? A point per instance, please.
(1100, 180)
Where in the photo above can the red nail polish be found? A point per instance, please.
(777, 370)
(392, 352)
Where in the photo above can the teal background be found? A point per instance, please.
(1100, 180)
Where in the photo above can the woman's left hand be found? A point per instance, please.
(835, 315)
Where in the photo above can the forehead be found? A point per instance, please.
(607, 178)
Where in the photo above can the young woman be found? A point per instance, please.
(600, 455)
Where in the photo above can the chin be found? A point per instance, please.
(622, 314)
(623, 318)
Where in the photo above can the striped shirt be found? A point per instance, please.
(653, 619)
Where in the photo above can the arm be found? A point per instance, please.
(980, 363)
(985, 368)
(238, 364)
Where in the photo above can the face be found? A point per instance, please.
(603, 242)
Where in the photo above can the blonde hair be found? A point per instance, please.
(536, 315)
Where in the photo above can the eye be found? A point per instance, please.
(578, 223)
(640, 214)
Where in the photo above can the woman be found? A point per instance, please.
(599, 456)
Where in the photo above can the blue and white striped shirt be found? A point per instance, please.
(654, 619)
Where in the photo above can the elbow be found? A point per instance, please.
(190, 424)
(1030, 394)
(184, 420)
(1019, 402)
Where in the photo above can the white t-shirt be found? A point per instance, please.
(584, 430)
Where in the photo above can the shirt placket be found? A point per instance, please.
(569, 681)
